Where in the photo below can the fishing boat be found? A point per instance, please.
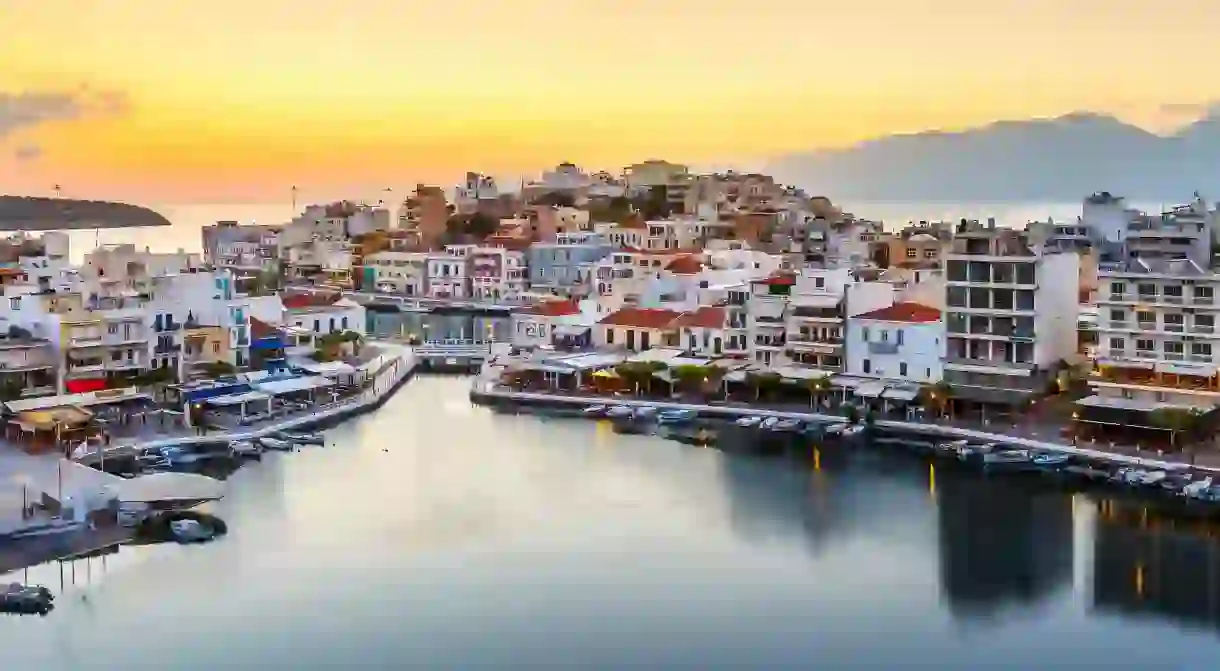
(676, 416)
(244, 448)
(750, 421)
(18, 598)
(594, 411)
(1050, 460)
(276, 444)
(788, 425)
(313, 438)
(1006, 459)
(619, 411)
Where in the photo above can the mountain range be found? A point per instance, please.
(1052, 160)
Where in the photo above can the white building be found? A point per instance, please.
(904, 342)
(550, 322)
(404, 273)
(497, 274)
(704, 331)
(448, 274)
(324, 314)
(1011, 315)
(818, 306)
(1158, 337)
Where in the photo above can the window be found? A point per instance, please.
(864, 334)
(1205, 321)
(819, 282)
(15, 302)
(1118, 315)
(1145, 317)
(1201, 349)
(902, 368)
(910, 252)
(112, 329)
(317, 326)
(344, 323)
(215, 348)
(898, 337)
(885, 335)
(1173, 348)
(929, 253)
(1203, 292)
(609, 336)
(1118, 344)
(1173, 290)
(868, 366)
(1143, 345)
(1147, 289)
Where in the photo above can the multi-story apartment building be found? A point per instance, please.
(673, 178)
(497, 273)
(448, 272)
(245, 249)
(1011, 314)
(28, 365)
(821, 301)
(563, 267)
(1158, 338)
(736, 320)
(404, 273)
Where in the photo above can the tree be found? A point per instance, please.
(639, 373)
(556, 199)
(1178, 421)
(691, 377)
(763, 383)
(215, 369)
(11, 389)
(817, 388)
(935, 397)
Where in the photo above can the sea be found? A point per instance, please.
(188, 219)
(434, 534)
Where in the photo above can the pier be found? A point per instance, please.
(484, 391)
(453, 355)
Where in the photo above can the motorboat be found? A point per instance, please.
(244, 448)
(750, 421)
(1151, 478)
(619, 411)
(835, 429)
(1195, 489)
(966, 451)
(191, 531)
(644, 413)
(594, 411)
(179, 456)
(1050, 460)
(153, 461)
(276, 444)
(1006, 459)
(950, 448)
(18, 598)
(853, 430)
(769, 423)
(309, 438)
(676, 416)
(787, 425)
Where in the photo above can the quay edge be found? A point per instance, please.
(484, 395)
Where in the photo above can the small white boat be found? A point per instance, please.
(244, 448)
(852, 430)
(276, 444)
(836, 429)
(190, 531)
(178, 456)
(1152, 478)
(1006, 459)
(676, 416)
(309, 438)
(1050, 460)
(619, 411)
(748, 421)
(788, 425)
(1195, 489)
(594, 411)
(769, 423)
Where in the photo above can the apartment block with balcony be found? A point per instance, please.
(28, 366)
(766, 324)
(1011, 315)
(737, 318)
(1158, 341)
(83, 345)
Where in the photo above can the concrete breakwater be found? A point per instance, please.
(483, 392)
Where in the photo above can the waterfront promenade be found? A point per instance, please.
(484, 389)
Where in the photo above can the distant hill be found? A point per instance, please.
(1060, 159)
(19, 213)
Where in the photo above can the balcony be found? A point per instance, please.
(1174, 356)
(1200, 358)
(88, 367)
(1198, 328)
(170, 348)
(86, 341)
(1147, 325)
(997, 362)
(1174, 300)
(1175, 328)
(882, 347)
(1201, 300)
(1120, 296)
(1148, 298)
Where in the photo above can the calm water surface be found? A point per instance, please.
(433, 534)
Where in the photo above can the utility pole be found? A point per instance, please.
(294, 200)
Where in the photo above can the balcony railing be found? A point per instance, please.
(1202, 300)
(1120, 296)
(1175, 328)
(882, 347)
(1198, 328)
(1176, 300)
(990, 362)
(1200, 358)
(1175, 356)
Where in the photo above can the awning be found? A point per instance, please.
(870, 389)
(570, 330)
(801, 373)
(990, 395)
(606, 374)
(1134, 405)
(84, 399)
(237, 399)
(846, 382)
(293, 384)
(328, 368)
(900, 393)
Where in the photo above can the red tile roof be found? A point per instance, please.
(914, 313)
(705, 317)
(685, 265)
(553, 308)
(261, 329)
(644, 318)
(780, 279)
(309, 300)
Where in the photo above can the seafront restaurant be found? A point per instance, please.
(49, 423)
(1161, 405)
(249, 397)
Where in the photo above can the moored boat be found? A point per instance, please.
(752, 420)
(595, 411)
(276, 444)
(1006, 459)
(619, 411)
(244, 448)
(676, 416)
(1050, 460)
(302, 438)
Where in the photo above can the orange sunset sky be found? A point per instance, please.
(238, 99)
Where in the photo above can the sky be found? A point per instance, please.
(239, 99)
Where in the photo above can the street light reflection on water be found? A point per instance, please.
(436, 534)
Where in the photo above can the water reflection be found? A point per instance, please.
(1150, 565)
(435, 326)
(1003, 542)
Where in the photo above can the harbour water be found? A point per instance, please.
(434, 534)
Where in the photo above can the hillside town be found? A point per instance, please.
(747, 276)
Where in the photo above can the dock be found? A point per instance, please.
(483, 391)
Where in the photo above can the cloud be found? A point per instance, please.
(28, 109)
(27, 152)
